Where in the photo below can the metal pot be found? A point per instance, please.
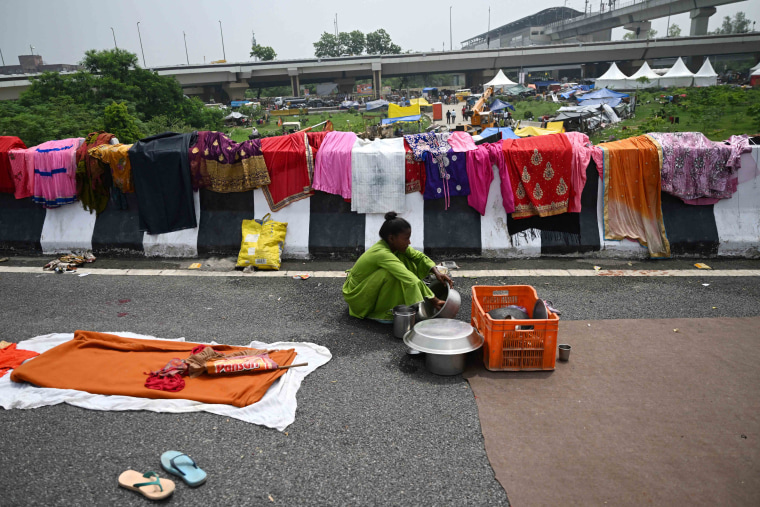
(452, 298)
(445, 342)
(403, 319)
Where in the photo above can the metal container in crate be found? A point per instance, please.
(514, 345)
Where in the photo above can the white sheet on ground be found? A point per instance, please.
(277, 409)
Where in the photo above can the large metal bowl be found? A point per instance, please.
(443, 336)
(452, 298)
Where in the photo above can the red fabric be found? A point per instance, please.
(11, 357)
(415, 172)
(6, 176)
(540, 170)
(315, 141)
(172, 384)
(288, 168)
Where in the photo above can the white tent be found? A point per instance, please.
(612, 79)
(647, 72)
(678, 75)
(706, 76)
(755, 68)
(499, 81)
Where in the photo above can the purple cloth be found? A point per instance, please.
(428, 143)
(446, 176)
(332, 171)
(694, 167)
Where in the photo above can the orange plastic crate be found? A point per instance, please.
(506, 347)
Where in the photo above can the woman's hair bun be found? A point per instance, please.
(390, 215)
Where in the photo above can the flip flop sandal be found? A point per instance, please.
(157, 489)
(181, 464)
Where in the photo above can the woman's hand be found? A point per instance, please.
(438, 303)
(444, 279)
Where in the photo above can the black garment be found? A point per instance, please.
(161, 174)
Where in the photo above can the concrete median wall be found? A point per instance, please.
(324, 226)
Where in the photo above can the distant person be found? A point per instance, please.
(448, 117)
(254, 134)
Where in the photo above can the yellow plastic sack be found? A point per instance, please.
(262, 244)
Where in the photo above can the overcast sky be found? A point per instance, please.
(62, 30)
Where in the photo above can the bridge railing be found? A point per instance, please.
(592, 13)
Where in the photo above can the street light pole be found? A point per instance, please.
(31, 48)
(451, 45)
(114, 38)
(1, 57)
(141, 46)
(222, 33)
(186, 56)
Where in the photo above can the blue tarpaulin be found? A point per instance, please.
(427, 90)
(238, 103)
(506, 132)
(415, 117)
(498, 105)
(610, 101)
(603, 93)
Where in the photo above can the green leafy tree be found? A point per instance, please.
(632, 35)
(328, 46)
(120, 123)
(379, 43)
(739, 24)
(263, 53)
(356, 42)
(674, 31)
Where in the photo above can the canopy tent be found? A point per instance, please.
(754, 78)
(395, 111)
(427, 92)
(235, 116)
(516, 89)
(421, 101)
(376, 104)
(506, 132)
(678, 75)
(613, 78)
(498, 105)
(603, 94)
(706, 75)
(402, 119)
(754, 69)
(611, 101)
(499, 81)
(647, 72)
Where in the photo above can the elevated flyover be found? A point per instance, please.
(234, 78)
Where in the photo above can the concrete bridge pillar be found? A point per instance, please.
(699, 20)
(377, 79)
(295, 83)
(346, 85)
(640, 28)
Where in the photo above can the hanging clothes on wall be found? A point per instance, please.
(540, 173)
(378, 176)
(461, 141)
(332, 170)
(446, 176)
(197, 160)
(415, 171)
(117, 158)
(161, 175)
(55, 172)
(582, 149)
(7, 181)
(93, 181)
(480, 176)
(229, 166)
(22, 170)
(694, 167)
(632, 201)
(290, 164)
(496, 154)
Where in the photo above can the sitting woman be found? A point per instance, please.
(390, 273)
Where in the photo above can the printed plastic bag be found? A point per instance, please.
(262, 244)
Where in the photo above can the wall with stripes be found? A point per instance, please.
(324, 226)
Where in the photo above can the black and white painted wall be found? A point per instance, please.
(324, 226)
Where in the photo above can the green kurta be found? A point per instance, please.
(381, 279)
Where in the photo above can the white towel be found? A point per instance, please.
(378, 175)
(277, 409)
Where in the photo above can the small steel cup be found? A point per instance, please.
(564, 352)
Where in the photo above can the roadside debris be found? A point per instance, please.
(302, 276)
(195, 265)
(597, 268)
(701, 265)
(3, 259)
(69, 262)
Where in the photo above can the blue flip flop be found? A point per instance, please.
(182, 465)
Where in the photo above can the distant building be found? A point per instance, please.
(33, 64)
(528, 31)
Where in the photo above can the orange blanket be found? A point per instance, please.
(632, 205)
(101, 363)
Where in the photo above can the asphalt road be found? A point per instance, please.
(373, 426)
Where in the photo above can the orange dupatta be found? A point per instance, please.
(632, 200)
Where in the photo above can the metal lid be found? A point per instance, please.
(443, 336)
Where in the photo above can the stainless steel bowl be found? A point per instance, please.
(445, 342)
(452, 298)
